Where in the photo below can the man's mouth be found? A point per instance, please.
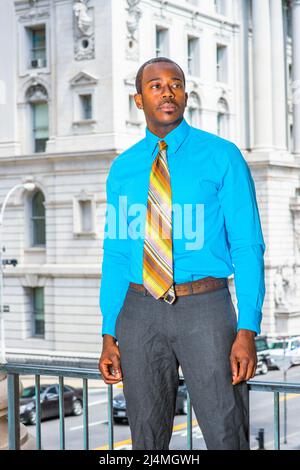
(168, 107)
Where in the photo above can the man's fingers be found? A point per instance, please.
(106, 368)
(234, 367)
(243, 364)
(116, 368)
(251, 370)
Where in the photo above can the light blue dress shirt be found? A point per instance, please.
(207, 172)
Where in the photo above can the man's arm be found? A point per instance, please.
(114, 282)
(241, 216)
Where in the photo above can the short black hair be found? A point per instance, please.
(139, 75)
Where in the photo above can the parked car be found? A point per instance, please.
(261, 367)
(119, 403)
(285, 347)
(265, 361)
(49, 402)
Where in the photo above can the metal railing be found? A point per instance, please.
(14, 371)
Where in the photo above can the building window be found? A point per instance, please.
(290, 79)
(37, 41)
(194, 110)
(37, 98)
(133, 110)
(291, 144)
(221, 63)
(220, 7)
(38, 219)
(84, 97)
(223, 119)
(84, 214)
(40, 126)
(193, 56)
(161, 42)
(86, 106)
(38, 313)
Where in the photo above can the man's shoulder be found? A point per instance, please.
(223, 151)
(121, 164)
(208, 138)
(129, 153)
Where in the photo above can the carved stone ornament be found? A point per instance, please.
(132, 23)
(84, 30)
(284, 286)
(34, 13)
(36, 93)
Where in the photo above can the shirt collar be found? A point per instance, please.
(174, 138)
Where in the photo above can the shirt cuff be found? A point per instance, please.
(108, 328)
(253, 325)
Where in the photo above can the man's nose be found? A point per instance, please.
(167, 91)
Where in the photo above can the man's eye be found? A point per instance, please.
(175, 84)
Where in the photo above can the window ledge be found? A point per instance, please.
(35, 248)
(84, 122)
(133, 123)
(85, 234)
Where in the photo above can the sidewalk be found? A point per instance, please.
(293, 442)
(29, 380)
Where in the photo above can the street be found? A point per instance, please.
(261, 416)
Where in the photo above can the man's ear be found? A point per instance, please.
(138, 100)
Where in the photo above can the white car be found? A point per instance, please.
(285, 351)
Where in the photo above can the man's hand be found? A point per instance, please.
(243, 356)
(110, 359)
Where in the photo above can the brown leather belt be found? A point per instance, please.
(199, 286)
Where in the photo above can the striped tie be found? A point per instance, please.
(157, 255)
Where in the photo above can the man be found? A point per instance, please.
(165, 300)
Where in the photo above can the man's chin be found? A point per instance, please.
(168, 116)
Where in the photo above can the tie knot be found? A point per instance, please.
(162, 145)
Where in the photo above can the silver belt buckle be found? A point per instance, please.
(169, 301)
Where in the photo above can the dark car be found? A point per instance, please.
(49, 402)
(119, 403)
(265, 360)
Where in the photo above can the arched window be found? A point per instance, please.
(194, 110)
(38, 219)
(37, 97)
(223, 119)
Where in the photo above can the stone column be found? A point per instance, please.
(262, 78)
(278, 76)
(296, 74)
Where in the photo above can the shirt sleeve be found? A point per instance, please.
(237, 198)
(114, 282)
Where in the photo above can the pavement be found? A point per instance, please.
(29, 380)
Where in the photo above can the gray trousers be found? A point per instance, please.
(197, 332)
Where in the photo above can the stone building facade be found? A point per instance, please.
(67, 76)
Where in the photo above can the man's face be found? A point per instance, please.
(163, 97)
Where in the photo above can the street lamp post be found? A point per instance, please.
(28, 187)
